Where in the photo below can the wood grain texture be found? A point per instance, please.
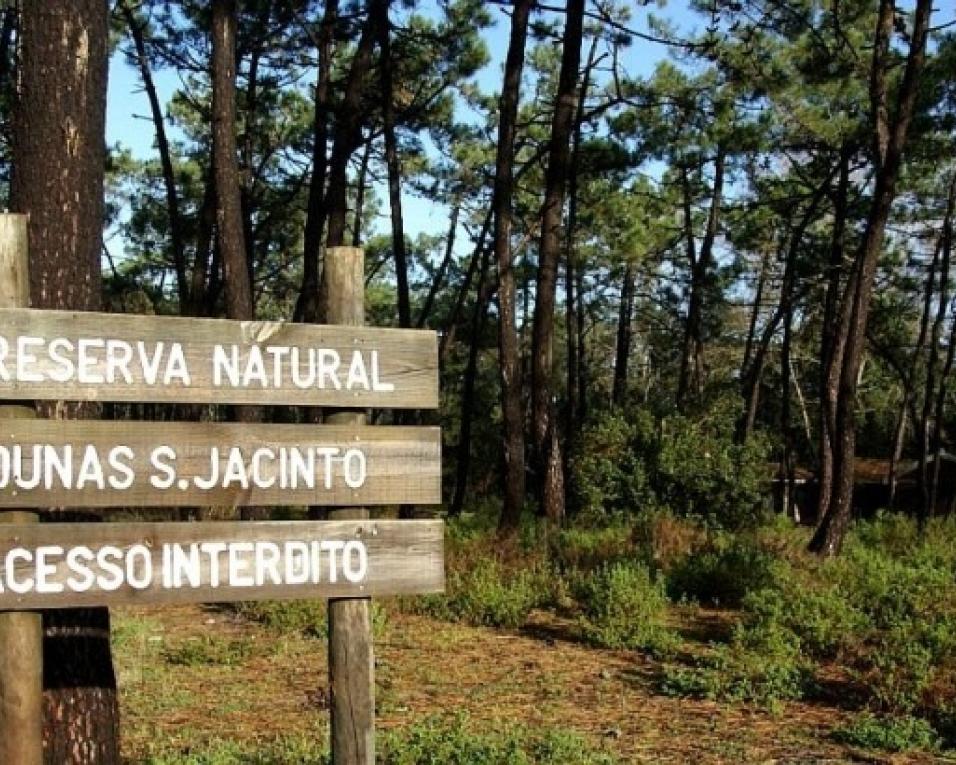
(408, 359)
(21, 633)
(402, 464)
(404, 557)
(351, 654)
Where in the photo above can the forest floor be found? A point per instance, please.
(193, 677)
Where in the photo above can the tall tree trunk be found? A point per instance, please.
(393, 164)
(573, 416)
(827, 334)
(439, 279)
(929, 390)
(165, 156)
(624, 322)
(361, 186)
(548, 461)
(229, 226)
(59, 161)
(701, 273)
(940, 405)
(751, 375)
(463, 464)
(889, 141)
(447, 338)
(348, 129)
(229, 218)
(509, 356)
(307, 305)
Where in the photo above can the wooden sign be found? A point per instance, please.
(85, 463)
(61, 565)
(116, 357)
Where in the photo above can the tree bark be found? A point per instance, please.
(701, 272)
(348, 130)
(393, 163)
(229, 216)
(307, 305)
(889, 140)
(59, 162)
(624, 332)
(439, 279)
(463, 453)
(573, 416)
(509, 358)
(546, 444)
(827, 335)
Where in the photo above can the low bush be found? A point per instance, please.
(449, 741)
(590, 548)
(624, 606)
(722, 571)
(308, 617)
(489, 594)
(891, 734)
(765, 671)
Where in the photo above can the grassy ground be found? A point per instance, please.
(206, 686)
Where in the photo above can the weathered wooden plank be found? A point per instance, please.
(56, 355)
(66, 565)
(46, 463)
(21, 633)
(350, 650)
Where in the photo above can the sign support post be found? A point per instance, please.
(351, 661)
(21, 632)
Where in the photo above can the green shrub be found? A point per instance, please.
(701, 472)
(590, 548)
(208, 650)
(609, 474)
(623, 605)
(308, 617)
(891, 734)
(722, 572)
(288, 750)
(444, 741)
(819, 616)
(489, 594)
(767, 674)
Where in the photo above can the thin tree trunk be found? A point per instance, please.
(889, 141)
(942, 253)
(348, 130)
(828, 366)
(478, 322)
(393, 164)
(451, 325)
(548, 460)
(624, 331)
(573, 417)
(165, 157)
(909, 382)
(307, 305)
(940, 407)
(509, 356)
(361, 186)
(439, 279)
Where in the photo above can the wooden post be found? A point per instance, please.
(21, 633)
(351, 671)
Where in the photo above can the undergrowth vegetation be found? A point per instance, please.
(447, 740)
(875, 627)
